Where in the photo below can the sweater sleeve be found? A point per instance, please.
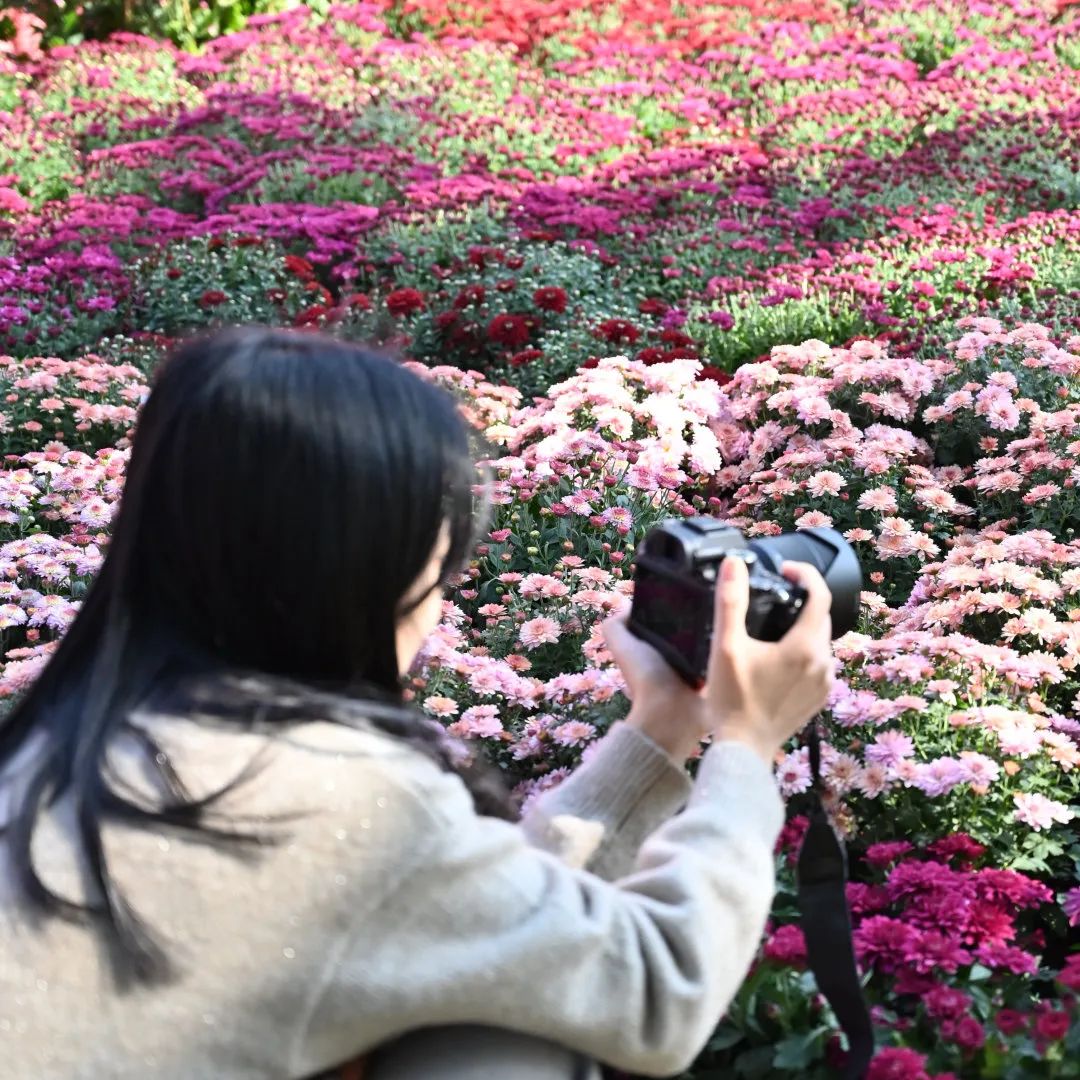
(487, 929)
(601, 814)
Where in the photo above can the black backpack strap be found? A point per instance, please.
(826, 924)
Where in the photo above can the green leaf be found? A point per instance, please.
(797, 1051)
(979, 973)
(725, 1039)
(755, 1062)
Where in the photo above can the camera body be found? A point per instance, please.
(675, 575)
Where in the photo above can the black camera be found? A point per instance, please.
(675, 578)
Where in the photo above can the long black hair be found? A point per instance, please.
(285, 491)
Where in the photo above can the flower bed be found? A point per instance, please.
(787, 267)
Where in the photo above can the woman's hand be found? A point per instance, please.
(663, 707)
(759, 693)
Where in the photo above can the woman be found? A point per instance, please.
(231, 851)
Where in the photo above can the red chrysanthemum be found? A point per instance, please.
(966, 1032)
(470, 295)
(653, 307)
(616, 331)
(1011, 1022)
(405, 302)
(526, 356)
(676, 339)
(652, 355)
(1052, 1026)
(959, 846)
(550, 298)
(212, 298)
(718, 375)
(299, 266)
(787, 947)
(897, 1063)
(511, 331)
(312, 315)
(1069, 976)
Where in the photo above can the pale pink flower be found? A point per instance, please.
(578, 503)
(889, 748)
(573, 733)
(1009, 480)
(1019, 740)
(814, 520)
(1039, 812)
(894, 546)
(944, 688)
(910, 702)
(982, 770)
(998, 408)
(534, 586)
(479, 722)
(891, 404)
(19, 675)
(531, 790)
(1040, 493)
(441, 706)
(539, 631)
(842, 772)
(593, 574)
(812, 409)
(597, 600)
(922, 544)
(880, 499)
(12, 615)
(1062, 749)
(793, 773)
(56, 612)
(908, 772)
(1038, 623)
(873, 780)
(937, 499)
(896, 526)
(939, 777)
(825, 483)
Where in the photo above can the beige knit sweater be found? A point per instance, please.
(390, 907)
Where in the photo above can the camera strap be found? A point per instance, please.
(826, 922)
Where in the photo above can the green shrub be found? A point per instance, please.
(221, 280)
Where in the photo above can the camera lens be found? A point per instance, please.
(832, 556)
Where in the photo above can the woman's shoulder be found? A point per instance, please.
(316, 765)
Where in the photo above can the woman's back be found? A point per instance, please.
(249, 932)
(390, 906)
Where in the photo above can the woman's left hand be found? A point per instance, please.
(663, 706)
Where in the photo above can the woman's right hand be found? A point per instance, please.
(762, 693)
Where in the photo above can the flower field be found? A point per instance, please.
(788, 264)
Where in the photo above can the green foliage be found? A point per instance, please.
(189, 23)
(757, 328)
(12, 84)
(211, 281)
